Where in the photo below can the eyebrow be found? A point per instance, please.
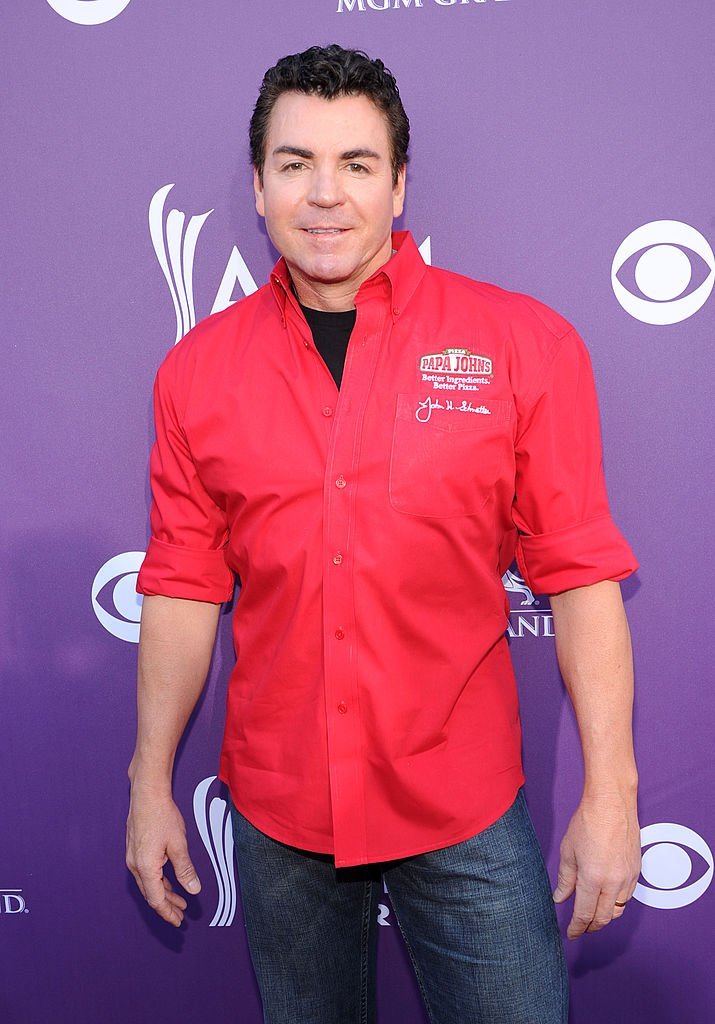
(360, 154)
(307, 154)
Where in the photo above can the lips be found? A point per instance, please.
(324, 231)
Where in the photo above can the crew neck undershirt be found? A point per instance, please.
(331, 334)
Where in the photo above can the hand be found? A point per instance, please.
(156, 834)
(600, 859)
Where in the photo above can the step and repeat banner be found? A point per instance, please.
(559, 149)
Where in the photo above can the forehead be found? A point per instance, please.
(312, 122)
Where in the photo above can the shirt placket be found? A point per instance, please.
(340, 638)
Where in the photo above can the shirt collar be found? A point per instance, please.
(402, 273)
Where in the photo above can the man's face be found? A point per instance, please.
(327, 194)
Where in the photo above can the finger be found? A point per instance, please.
(168, 912)
(183, 868)
(605, 910)
(584, 910)
(622, 897)
(172, 915)
(173, 897)
(176, 903)
(566, 882)
(173, 900)
(619, 905)
(155, 893)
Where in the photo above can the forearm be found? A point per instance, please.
(175, 646)
(594, 651)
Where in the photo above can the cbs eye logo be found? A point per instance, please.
(123, 570)
(666, 866)
(88, 12)
(654, 257)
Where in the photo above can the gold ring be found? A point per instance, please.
(620, 904)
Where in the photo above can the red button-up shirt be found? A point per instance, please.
(372, 712)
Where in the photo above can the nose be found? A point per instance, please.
(326, 189)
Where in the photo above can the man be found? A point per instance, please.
(366, 442)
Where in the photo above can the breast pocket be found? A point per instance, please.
(447, 454)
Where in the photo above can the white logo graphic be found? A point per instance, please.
(88, 12)
(663, 272)
(514, 584)
(424, 410)
(457, 361)
(124, 569)
(175, 250)
(383, 909)
(12, 902)
(666, 866)
(213, 820)
(527, 617)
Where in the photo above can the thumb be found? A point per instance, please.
(184, 870)
(567, 879)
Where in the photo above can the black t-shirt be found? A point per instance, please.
(331, 333)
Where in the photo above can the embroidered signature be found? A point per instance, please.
(424, 409)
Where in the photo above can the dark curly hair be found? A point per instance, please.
(331, 71)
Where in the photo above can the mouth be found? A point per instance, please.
(325, 231)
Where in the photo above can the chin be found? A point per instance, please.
(327, 272)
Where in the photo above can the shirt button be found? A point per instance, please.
(339, 634)
(327, 411)
(337, 558)
(396, 311)
(306, 344)
(343, 708)
(341, 482)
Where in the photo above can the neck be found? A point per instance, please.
(327, 298)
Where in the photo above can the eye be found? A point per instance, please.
(293, 166)
(667, 866)
(357, 168)
(120, 609)
(661, 259)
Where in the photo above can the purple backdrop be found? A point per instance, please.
(559, 149)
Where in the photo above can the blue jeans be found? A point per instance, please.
(477, 918)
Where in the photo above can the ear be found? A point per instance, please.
(258, 192)
(398, 192)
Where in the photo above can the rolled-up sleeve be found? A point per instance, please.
(189, 532)
(566, 536)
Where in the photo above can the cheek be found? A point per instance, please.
(384, 205)
(277, 213)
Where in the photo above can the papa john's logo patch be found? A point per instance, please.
(457, 361)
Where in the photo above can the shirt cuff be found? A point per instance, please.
(174, 571)
(576, 556)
